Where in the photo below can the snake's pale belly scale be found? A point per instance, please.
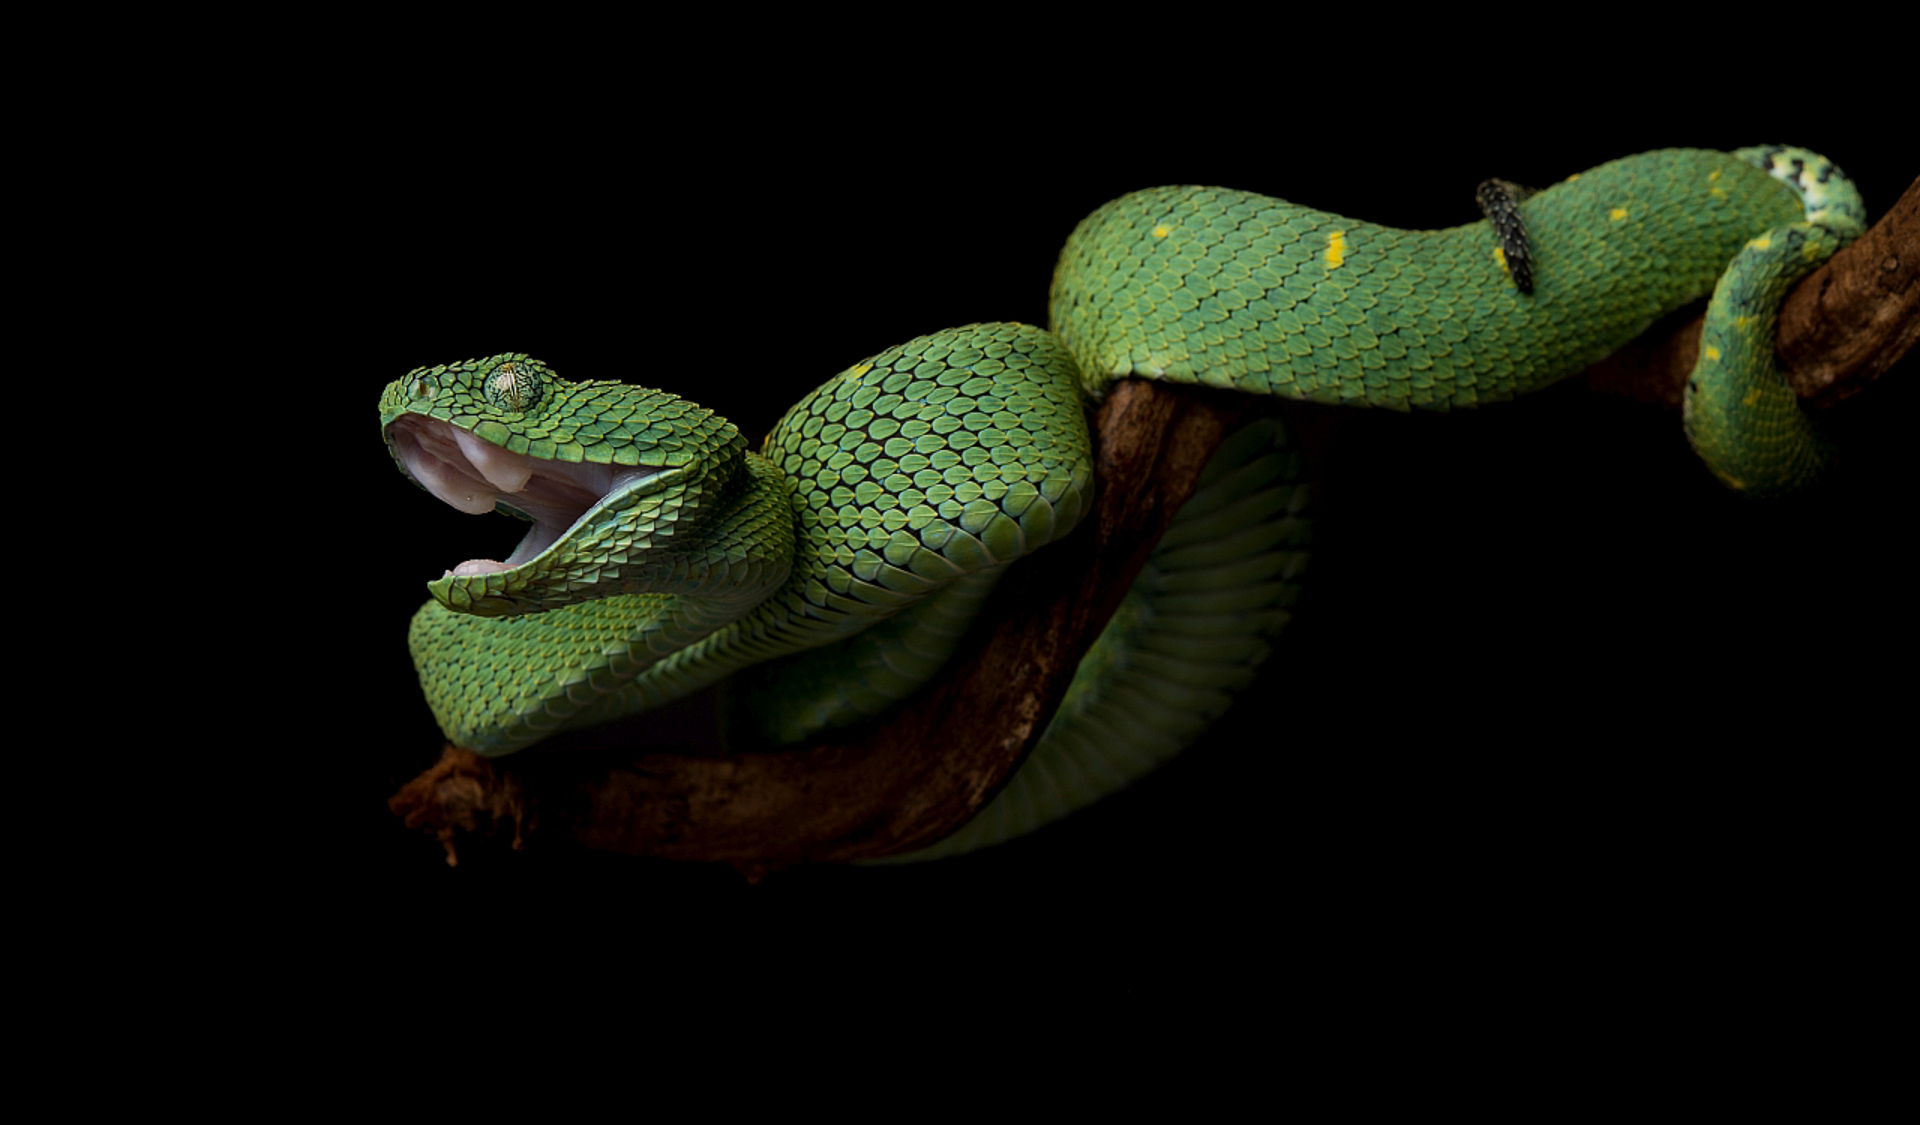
(835, 569)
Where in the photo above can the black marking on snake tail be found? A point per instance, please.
(1500, 203)
(1821, 173)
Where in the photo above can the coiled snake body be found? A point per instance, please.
(837, 567)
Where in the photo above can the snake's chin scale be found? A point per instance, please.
(473, 475)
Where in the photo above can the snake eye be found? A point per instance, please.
(513, 386)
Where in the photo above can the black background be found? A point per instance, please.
(1542, 660)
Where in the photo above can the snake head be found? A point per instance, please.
(603, 470)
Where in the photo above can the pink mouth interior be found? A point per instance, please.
(472, 474)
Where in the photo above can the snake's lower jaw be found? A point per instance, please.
(475, 599)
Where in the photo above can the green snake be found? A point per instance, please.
(831, 572)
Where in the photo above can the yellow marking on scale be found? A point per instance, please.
(1709, 352)
(1744, 322)
(1162, 231)
(1336, 249)
(1617, 214)
(1500, 256)
(1761, 243)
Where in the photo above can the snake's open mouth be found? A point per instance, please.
(473, 475)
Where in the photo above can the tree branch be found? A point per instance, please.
(877, 790)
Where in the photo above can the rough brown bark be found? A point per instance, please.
(877, 791)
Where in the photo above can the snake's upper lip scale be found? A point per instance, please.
(472, 475)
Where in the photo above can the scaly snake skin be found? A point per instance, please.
(836, 568)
